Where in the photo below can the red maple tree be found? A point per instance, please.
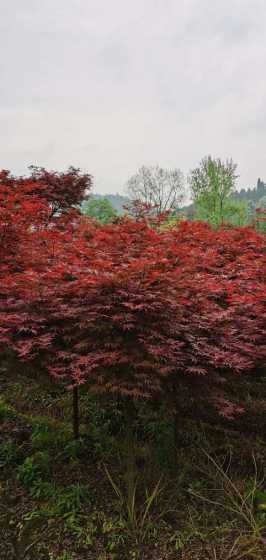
(128, 308)
(36, 223)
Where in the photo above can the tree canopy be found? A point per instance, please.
(212, 185)
(99, 208)
(128, 308)
(162, 190)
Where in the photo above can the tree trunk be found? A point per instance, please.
(130, 470)
(76, 413)
(176, 430)
(178, 440)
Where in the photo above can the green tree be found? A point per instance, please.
(212, 185)
(262, 203)
(101, 209)
(236, 212)
(261, 215)
(251, 212)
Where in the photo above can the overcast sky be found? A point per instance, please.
(110, 85)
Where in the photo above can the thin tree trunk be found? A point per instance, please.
(176, 430)
(76, 413)
(178, 426)
(130, 470)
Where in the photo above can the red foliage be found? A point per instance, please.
(127, 308)
(143, 211)
(35, 226)
(61, 190)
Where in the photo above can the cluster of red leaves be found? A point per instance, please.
(128, 308)
(60, 190)
(144, 211)
(36, 224)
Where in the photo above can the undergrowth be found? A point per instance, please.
(68, 500)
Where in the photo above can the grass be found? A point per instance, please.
(238, 498)
(67, 500)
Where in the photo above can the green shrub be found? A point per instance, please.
(6, 410)
(74, 449)
(71, 500)
(43, 490)
(35, 468)
(8, 452)
(46, 435)
(42, 433)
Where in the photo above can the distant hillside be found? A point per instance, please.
(252, 195)
(117, 201)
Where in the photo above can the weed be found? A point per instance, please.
(8, 452)
(6, 410)
(236, 548)
(226, 494)
(180, 539)
(25, 535)
(112, 530)
(159, 430)
(62, 556)
(46, 435)
(70, 501)
(74, 449)
(42, 433)
(137, 517)
(43, 490)
(35, 468)
(84, 531)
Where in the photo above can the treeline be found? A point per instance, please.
(211, 185)
(254, 194)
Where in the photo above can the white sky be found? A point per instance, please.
(110, 85)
